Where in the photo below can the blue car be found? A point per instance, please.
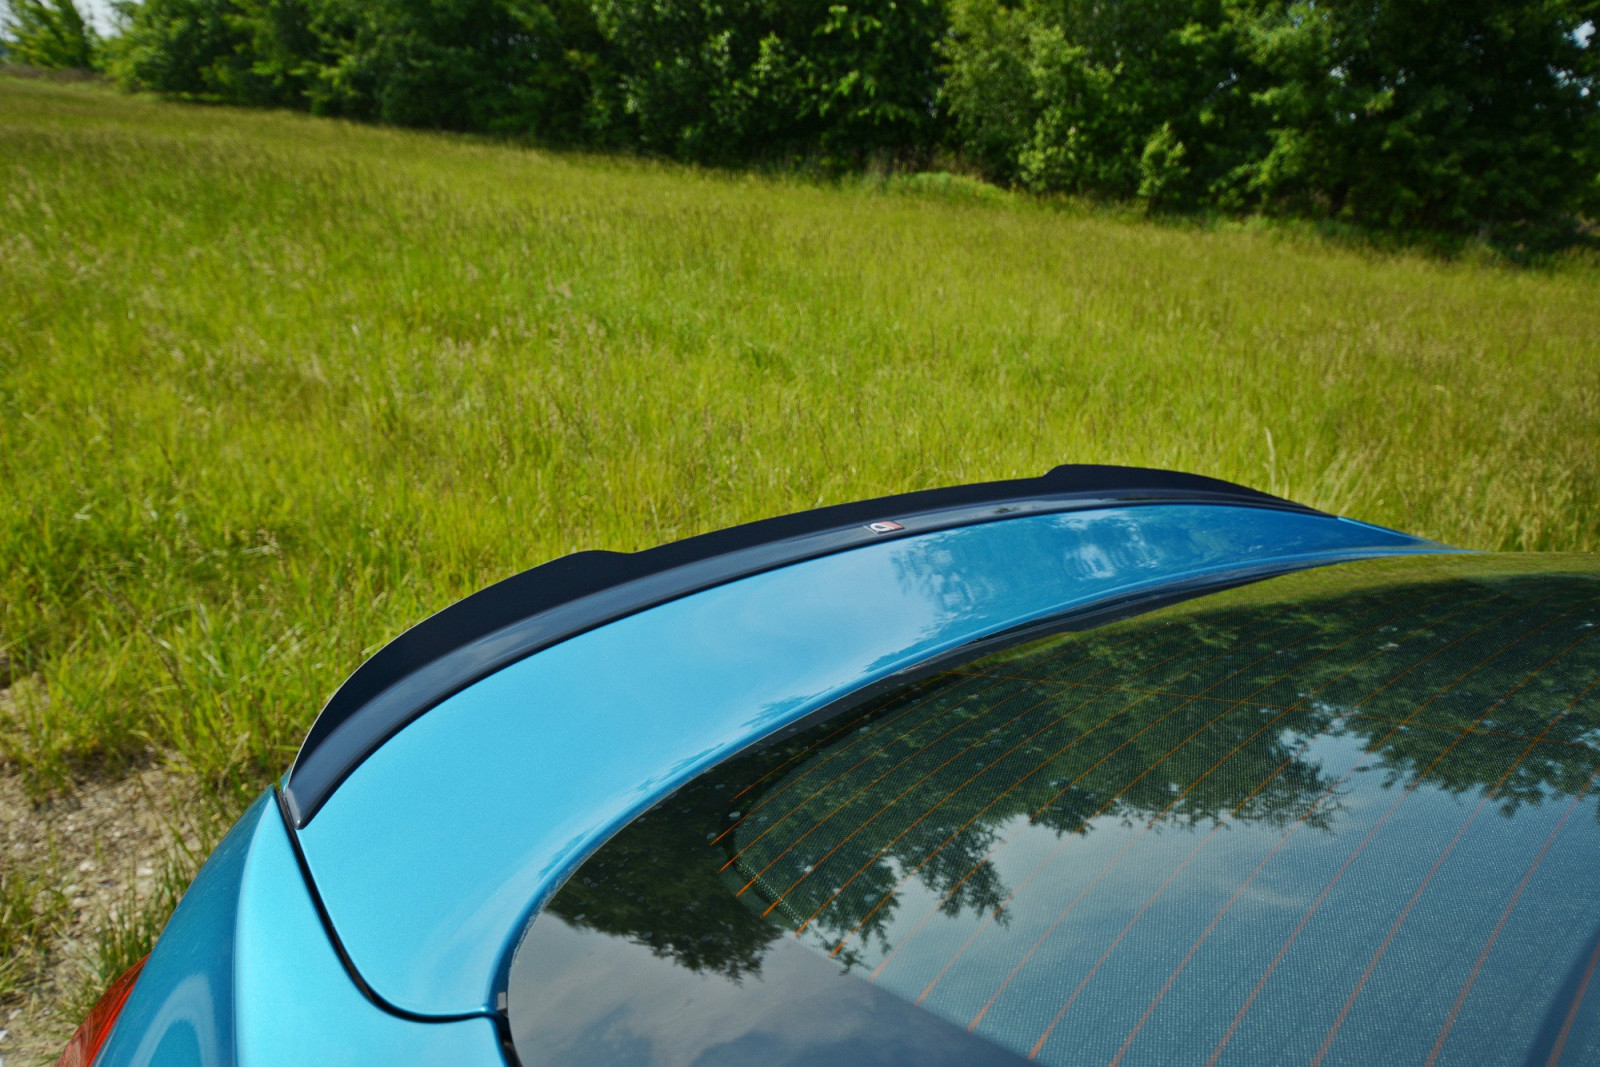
(1109, 766)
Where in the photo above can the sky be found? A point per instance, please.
(97, 12)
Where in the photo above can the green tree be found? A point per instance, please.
(1117, 99)
(188, 47)
(275, 53)
(49, 33)
(1475, 115)
(506, 66)
(989, 84)
(1466, 115)
(751, 79)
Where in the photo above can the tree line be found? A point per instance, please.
(1446, 115)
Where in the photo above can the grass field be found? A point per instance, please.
(273, 388)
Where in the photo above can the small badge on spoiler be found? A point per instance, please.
(883, 526)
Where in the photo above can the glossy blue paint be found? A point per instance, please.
(431, 855)
(180, 1010)
(244, 973)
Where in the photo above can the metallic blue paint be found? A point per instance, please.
(434, 851)
(245, 974)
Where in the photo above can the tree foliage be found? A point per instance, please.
(742, 80)
(1419, 113)
(502, 66)
(1117, 98)
(47, 33)
(1403, 114)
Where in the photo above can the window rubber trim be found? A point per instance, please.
(545, 605)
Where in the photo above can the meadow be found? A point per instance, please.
(273, 388)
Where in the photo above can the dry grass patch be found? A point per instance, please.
(86, 881)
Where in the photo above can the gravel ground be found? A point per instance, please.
(106, 847)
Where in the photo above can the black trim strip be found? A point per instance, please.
(535, 609)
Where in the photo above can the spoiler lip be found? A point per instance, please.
(538, 608)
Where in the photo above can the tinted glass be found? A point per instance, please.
(1342, 816)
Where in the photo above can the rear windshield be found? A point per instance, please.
(1345, 816)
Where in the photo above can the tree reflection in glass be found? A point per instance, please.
(1345, 815)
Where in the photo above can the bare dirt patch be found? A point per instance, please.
(98, 857)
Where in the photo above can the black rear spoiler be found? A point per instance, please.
(537, 608)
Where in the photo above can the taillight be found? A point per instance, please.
(86, 1041)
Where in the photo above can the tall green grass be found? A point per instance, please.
(274, 388)
(30, 909)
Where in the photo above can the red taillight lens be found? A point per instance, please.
(91, 1034)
